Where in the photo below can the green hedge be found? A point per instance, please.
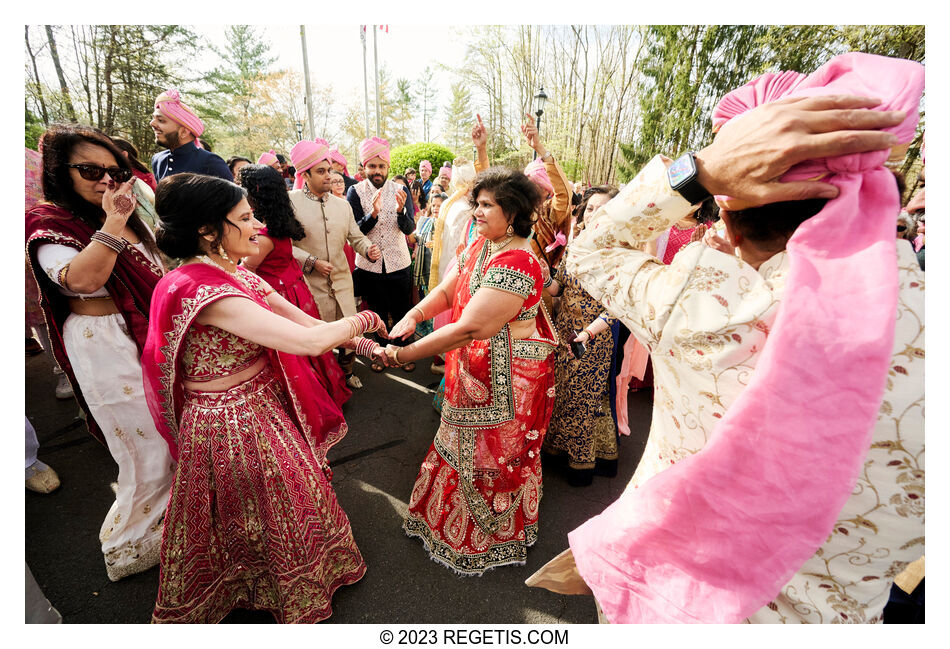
(410, 155)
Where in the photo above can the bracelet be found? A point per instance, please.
(396, 357)
(61, 276)
(365, 347)
(422, 316)
(112, 243)
(308, 264)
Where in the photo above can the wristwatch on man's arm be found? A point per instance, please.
(684, 179)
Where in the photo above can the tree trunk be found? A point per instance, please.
(70, 111)
(36, 74)
(109, 120)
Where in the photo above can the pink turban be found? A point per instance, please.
(306, 154)
(537, 173)
(446, 170)
(717, 535)
(426, 165)
(171, 106)
(268, 158)
(337, 156)
(374, 147)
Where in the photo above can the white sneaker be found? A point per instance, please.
(354, 382)
(63, 389)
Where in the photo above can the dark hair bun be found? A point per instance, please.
(186, 203)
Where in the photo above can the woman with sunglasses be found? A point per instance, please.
(97, 264)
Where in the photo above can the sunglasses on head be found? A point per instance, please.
(95, 172)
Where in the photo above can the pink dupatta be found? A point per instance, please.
(715, 537)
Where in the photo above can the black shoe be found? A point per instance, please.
(580, 477)
(606, 468)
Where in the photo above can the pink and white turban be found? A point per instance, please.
(425, 165)
(306, 154)
(446, 170)
(539, 175)
(171, 106)
(374, 147)
(717, 535)
(268, 158)
(337, 156)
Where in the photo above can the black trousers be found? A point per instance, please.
(388, 294)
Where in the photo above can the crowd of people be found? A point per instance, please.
(207, 315)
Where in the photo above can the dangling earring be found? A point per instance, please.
(510, 231)
(222, 253)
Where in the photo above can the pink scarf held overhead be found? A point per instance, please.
(715, 537)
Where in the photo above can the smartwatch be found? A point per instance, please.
(683, 179)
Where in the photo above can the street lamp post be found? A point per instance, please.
(539, 100)
(299, 130)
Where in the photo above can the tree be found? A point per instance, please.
(458, 117)
(54, 53)
(425, 96)
(245, 60)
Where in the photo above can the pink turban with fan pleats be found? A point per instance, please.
(267, 158)
(337, 156)
(373, 147)
(425, 165)
(717, 535)
(307, 153)
(539, 175)
(171, 106)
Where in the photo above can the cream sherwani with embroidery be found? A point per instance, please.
(705, 318)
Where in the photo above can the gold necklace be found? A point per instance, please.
(494, 248)
(211, 262)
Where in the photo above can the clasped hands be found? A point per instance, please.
(402, 330)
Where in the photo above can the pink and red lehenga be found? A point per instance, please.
(283, 273)
(252, 521)
(475, 500)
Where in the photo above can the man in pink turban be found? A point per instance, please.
(270, 159)
(783, 479)
(328, 223)
(177, 127)
(383, 211)
(425, 177)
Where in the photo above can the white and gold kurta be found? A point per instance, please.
(328, 226)
(705, 318)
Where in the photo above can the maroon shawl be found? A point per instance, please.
(130, 285)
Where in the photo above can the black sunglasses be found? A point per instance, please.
(95, 172)
(902, 228)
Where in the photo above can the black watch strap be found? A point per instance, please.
(683, 177)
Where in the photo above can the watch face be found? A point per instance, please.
(682, 169)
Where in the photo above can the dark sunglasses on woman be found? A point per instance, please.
(95, 172)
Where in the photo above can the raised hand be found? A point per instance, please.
(377, 203)
(479, 133)
(118, 201)
(530, 132)
(400, 199)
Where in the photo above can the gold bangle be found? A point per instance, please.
(396, 356)
(422, 316)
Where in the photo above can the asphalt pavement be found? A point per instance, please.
(392, 423)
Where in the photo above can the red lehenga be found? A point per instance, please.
(283, 273)
(252, 521)
(475, 500)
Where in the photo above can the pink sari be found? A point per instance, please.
(716, 536)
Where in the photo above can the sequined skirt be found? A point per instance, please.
(252, 521)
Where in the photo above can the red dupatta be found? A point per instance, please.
(179, 298)
(130, 285)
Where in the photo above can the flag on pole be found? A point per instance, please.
(363, 34)
(385, 28)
